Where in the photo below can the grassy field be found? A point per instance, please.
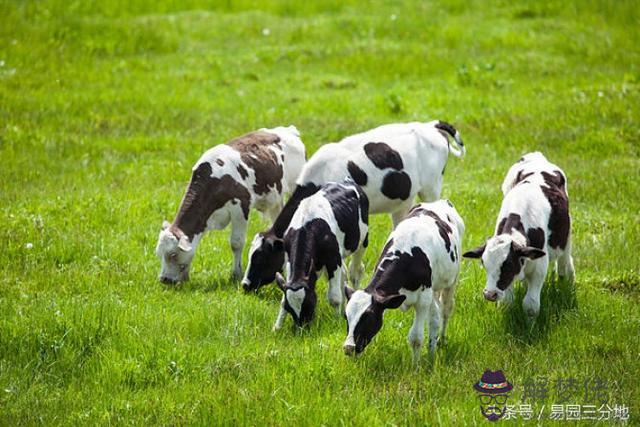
(104, 107)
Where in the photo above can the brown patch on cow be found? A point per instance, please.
(559, 220)
(205, 195)
(556, 179)
(535, 237)
(255, 151)
(511, 222)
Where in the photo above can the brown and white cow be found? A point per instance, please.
(392, 164)
(251, 171)
(533, 230)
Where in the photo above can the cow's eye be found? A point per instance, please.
(183, 267)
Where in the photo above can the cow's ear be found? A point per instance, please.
(280, 281)
(165, 224)
(184, 244)
(348, 292)
(530, 252)
(475, 253)
(391, 301)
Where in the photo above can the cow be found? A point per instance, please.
(418, 268)
(533, 230)
(392, 164)
(252, 171)
(327, 227)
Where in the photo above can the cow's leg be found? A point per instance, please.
(447, 303)
(399, 215)
(334, 291)
(416, 333)
(356, 267)
(565, 264)
(281, 315)
(237, 240)
(535, 280)
(434, 324)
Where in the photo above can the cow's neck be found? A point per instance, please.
(192, 216)
(302, 257)
(284, 218)
(383, 283)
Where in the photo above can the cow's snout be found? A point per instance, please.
(349, 349)
(246, 285)
(168, 280)
(490, 295)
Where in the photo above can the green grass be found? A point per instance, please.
(104, 107)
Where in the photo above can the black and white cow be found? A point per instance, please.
(252, 171)
(327, 227)
(392, 164)
(532, 231)
(418, 268)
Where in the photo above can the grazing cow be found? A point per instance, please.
(532, 231)
(418, 268)
(327, 227)
(254, 170)
(392, 164)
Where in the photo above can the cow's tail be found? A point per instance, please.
(448, 129)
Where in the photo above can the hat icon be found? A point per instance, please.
(493, 382)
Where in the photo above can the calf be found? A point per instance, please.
(418, 267)
(532, 231)
(326, 228)
(392, 164)
(252, 171)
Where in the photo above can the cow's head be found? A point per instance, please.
(503, 259)
(299, 300)
(176, 253)
(266, 258)
(364, 314)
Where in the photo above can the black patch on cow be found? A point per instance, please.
(366, 240)
(311, 248)
(446, 128)
(383, 156)
(345, 204)
(220, 162)
(255, 150)
(521, 177)
(368, 325)
(444, 229)
(535, 237)
(509, 269)
(204, 196)
(359, 176)
(559, 220)
(416, 211)
(454, 254)
(364, 205)
(512, 221)
(242, 171)
(396, 185)
(396, 270)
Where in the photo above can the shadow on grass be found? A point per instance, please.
(557, 297)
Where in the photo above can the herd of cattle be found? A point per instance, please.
(325, 221)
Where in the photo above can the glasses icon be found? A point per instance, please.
(487, 399)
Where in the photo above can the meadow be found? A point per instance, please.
(104, 107)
